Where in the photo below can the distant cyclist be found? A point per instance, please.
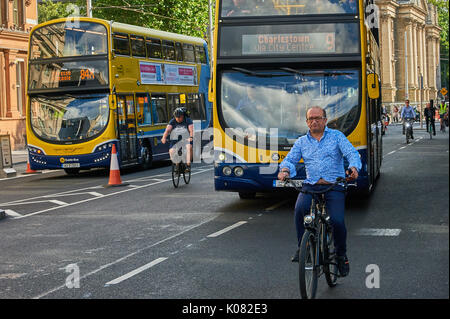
(429, 117)
(443, 114)
(180, 127)
(407, 114)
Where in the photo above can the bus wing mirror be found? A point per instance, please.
(112, 102)
(373, 87)
(210, 91)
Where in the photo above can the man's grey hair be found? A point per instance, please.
(318, 107)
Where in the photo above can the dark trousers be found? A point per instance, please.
(335, 203)
(432, 123)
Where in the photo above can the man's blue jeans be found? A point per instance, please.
(335, 203)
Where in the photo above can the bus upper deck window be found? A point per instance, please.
(169, 50)
(121, 44)
(154, 49)
(188, 52)
(179, 51)
(138, 46)
(200, 54)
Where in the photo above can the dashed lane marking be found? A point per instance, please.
(223, 231)
(378, 232)
(136, 271)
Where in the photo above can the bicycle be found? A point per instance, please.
(179, 169)
(409, 122)
(317, 252)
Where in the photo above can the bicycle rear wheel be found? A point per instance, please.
(307, 270)
(329, 258)
(175, 174)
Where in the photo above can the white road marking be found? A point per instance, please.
(21, 202)
(12, 213)
(58, 202)
(378, 232)
(220, 232)
(136, 271)
(391, 153)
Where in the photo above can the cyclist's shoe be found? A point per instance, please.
(295, 257)
(412, 137)
(187, 169)
(343, 265)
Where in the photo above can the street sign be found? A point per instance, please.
(444, 91)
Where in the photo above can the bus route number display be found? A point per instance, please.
(75, 75)
(288, 43)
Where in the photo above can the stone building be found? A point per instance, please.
(418, 21)
(17, 17)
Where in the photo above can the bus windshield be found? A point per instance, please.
(261, 100)
(66, 39)
(247, 8)
(69, 118)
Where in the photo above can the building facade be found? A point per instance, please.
(410, 46)
(17, 17)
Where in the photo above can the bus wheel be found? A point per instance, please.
(147, 158)
(72, 171)
(243, 195)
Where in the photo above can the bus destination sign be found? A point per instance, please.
(288, 43)
(75, 75)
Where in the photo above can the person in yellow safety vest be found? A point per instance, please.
(443, 115)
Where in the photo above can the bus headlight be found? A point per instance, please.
(226, 171)
(238, 171)
(222, 157)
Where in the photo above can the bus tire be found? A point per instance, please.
(244, 195)
(72, 171)
(147, 157)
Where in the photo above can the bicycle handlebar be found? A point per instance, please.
(338, 181)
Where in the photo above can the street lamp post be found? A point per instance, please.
(421, 88)
(89, 8)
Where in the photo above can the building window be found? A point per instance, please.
(18, 12)
(2, 13)
(20, 86)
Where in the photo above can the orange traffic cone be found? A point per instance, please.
(114, 171)
(29, 170)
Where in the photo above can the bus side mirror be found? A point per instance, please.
(373, 87)
(112, 102)
(210, 91)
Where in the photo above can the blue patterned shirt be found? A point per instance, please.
(324, 158)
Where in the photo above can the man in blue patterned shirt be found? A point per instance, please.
(323, 150)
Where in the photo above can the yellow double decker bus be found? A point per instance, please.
(274, 60)
(94, 83)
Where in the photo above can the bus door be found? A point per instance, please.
(374, 136)
(126, 122)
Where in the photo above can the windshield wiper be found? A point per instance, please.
(260, 75)
(319, 73)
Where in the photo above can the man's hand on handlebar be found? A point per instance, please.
(352, 173)
(283, 174)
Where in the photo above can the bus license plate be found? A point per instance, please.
(71, 165)
(278, 183)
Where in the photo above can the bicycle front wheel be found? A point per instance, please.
(307, 266)
(329, 256)
(187, 176)
(175, 174)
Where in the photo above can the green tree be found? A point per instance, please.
(189, 17)
(443, 21)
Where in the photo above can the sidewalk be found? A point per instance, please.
(19, 157)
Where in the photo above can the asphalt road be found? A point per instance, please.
(149, 240)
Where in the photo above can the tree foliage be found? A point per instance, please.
(188, 17)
